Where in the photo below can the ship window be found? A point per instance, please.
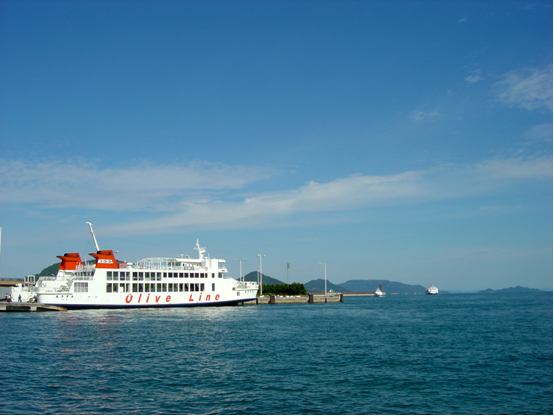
(115, 274)
(197, 287)
(147, 287)
(180, 287)
(109, 275)
(121, 276)
(165, 274)
(135, 274)
(195, 274)
(170, 287)
(158, 287)
(181, 275)
(213, 274)
(134, 287)
(164, 287)
(115, 287)
(141, 287)
(220, 275)
(186, 287)
(122, 287)
(201, 287)
(108, 288)
(213, 287)
(159, 276)
(141, 276)
(186, 275)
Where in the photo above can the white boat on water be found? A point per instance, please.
(432, 290)
(25, 292)
(150, 282)
(379, 292)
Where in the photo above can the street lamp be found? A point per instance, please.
(261, 273)
(325, 265)
(240, 268)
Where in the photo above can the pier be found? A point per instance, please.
(29, 307)
(286, 300)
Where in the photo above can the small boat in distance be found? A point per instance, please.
(432, 290)
(379, 292)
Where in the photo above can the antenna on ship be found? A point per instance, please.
(93, 237)
(201, 250)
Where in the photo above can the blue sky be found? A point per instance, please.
(400, 140)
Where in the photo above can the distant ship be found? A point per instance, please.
(149, 283)
(432, 290)
(379, 292)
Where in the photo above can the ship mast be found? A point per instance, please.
(93, 237)
(201, 250)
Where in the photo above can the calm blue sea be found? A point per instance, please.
(446, 354)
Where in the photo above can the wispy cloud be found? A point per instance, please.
(539, 133)
(421, 115)
(208, 195)
(146, 187)
(475, 77)
(530, 88)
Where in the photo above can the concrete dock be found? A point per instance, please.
(284, 300)
(29, 307)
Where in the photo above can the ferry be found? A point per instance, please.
(379, 291)
(432, 290)
(150, 282)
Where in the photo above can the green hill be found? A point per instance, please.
(266, 280)
(50, 270)
(318, 285)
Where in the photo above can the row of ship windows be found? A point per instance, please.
(156, 287)
(154, 276)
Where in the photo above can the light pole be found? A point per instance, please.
(261, 273)
(325, 265)
(240, 268)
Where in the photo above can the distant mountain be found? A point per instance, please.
(50, 270)
(318, 285)
(517, 289)
(266, 280)
(390, 288)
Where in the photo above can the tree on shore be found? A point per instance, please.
(294, 289)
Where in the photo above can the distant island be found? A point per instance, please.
(517, 289)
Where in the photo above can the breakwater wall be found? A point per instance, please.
(284, 300)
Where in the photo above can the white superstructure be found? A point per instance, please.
(379, 291)
(432, 290)
(151, 282)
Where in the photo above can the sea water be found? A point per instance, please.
(445, 354)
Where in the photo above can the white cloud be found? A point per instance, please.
(354, 192)
(207, 195)
(84, 185)
(529, 89)
(420, 115)
(476, 77)
(539, 133)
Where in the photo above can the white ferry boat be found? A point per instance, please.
(24, 292)
(432, 290)
(379, 292)
(151, 282)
